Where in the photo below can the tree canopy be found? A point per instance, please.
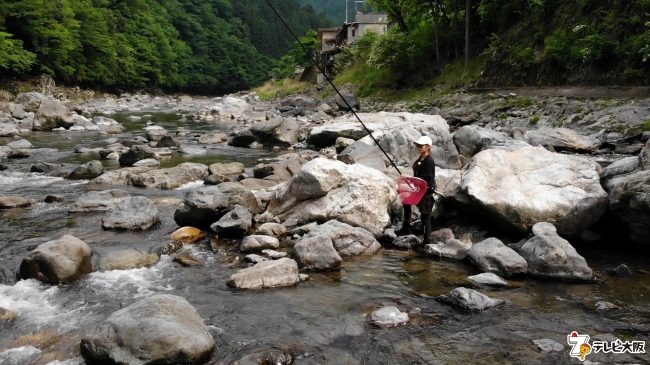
(206, 46)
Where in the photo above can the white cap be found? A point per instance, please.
(424, 140)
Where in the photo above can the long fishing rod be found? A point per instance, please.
(331, 83)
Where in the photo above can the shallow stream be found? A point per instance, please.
(320, 321)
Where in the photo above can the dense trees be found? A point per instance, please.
(207, 46)
(519, 42)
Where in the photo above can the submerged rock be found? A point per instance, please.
(488, 278)
(267, 274)
(127, 259)
(161, 329)
(98, 201)
(187, 235)
(389, 316)
(452, 249)
(469, 299)
(8, 202)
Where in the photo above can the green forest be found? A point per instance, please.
(202, 46)
(510, 43)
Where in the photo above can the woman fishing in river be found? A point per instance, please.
(423, 168)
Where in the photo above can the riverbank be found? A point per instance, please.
(268, 180)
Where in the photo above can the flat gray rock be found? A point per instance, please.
(488, 278)
(389, 316)
(469, 299)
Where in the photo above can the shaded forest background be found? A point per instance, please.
(201, 46)
(511, 43)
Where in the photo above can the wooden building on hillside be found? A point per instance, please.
(333, 39)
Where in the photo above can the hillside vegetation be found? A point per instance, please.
(203, 46)
(511, 43)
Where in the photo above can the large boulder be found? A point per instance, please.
(282, 168)
(230, 108)
(87, 171)
(170, 178)
(562, 139)
(136, 212)
(98, 201)
(52, 114)
(365, 152)
(242, 138)
(161, 329)
(551, 256)
(325, 189)
(8, 130)
(395, 132)
(212, 138)
(316, 253)
(348, 101)
(517, 189)
(491, 255)
(58, 261)
(279, 131)
(30, 101)
(472, 139)
(226, 169)
(234, 223)
(208, 204)
(8, 202)
(629, 203)
(347, 240)
(266, 274)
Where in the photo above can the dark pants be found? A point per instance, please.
(425, 207)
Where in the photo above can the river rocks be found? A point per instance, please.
(187, 235)
(226, 169)
(517, 189)
(258, 242)
(365, 152)
(644, 156)
(469, 299)
(629, 203)
(58, 261)
(52, 114)
(119, 177)
(471, 140)
(272, 229)
(98, 201)
(19, 154)
(326, 189)
(347, 240)
(562, 139)
(316, 253)
(452, 249)
(20, 355)
(550, 256)
(170, 178)
(408, 242)
(213, 138)
(147, 162)
(242, 138)
(135, 154)
(8, 130)
(8, 202)
(30, 101)
(132, 213)
(156, 133)
(6, 315)
(491, 255)
(87, 171)
(267, 274)
(279, 131)
(108, 125)
(548, 346)
(389, 316)
(230, 108)
(489, 279)
(168, 141)
(161, 329)
(216, 179)
(347, 102)
(282, 168)
(234, 223)
(208, 204)
(127, 259)
(19, 144)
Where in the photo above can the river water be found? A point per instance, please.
(320, 321)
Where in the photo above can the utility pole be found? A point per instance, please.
(346, 11)
(467, 7)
